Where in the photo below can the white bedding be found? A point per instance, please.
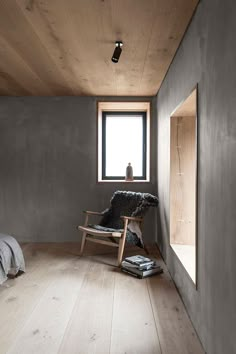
(11, 257)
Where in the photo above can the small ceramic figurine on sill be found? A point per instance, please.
(129, 173)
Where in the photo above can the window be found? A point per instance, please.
(123, 136)
(123, 141)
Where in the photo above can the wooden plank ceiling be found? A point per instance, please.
(64, 47)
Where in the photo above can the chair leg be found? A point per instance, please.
(121, 250)
(122, 243)
(83, 243)
(84, 235)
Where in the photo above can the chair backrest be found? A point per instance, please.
(128, 204)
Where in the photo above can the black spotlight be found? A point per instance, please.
(117, 52)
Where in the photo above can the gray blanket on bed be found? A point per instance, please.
(11, 257)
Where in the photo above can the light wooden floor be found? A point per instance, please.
(67, 304)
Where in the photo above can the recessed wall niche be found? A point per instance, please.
(183, 182)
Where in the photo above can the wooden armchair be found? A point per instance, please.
(120, 223)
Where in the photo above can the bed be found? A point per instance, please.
(11, 257)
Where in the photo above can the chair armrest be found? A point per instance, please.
(92, 212)
(88, 213)
(133, 218)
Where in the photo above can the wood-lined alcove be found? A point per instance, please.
(183, 182)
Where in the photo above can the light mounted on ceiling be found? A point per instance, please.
(117, 52)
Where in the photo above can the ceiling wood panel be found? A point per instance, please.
(12, 64)
(64, 47)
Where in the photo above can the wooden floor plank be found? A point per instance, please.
(133, 326)
(89, 330)
(19, 299)
(70, 304)
(175, 330)
(45, 328)
(171, 316)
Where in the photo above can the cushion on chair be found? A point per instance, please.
(130, 236)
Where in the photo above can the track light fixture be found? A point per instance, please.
(117, 52)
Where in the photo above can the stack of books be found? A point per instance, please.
(140, 266)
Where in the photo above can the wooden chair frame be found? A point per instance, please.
(121, 235)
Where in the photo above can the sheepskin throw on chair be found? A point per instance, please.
(133, 204)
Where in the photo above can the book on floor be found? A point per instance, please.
(142, 273)
(141, 270)
(140, 267)
(140, 261)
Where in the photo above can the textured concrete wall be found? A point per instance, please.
(207, 56)
(48, 159)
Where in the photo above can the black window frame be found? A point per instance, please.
(143, 177)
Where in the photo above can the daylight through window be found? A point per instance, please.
(123, 140)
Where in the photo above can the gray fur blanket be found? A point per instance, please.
(129, 204)
(11, 257)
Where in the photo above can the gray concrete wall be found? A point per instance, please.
(207, 57)
(48, 161)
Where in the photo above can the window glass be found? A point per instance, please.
(124, 141)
